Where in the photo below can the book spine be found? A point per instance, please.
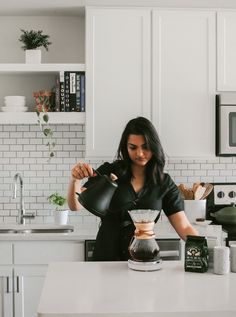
(82, 93)
(78, 80)
(67, 91)
(72, 97)
(57, 93)
(62, 91)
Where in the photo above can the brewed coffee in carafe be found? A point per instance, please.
(143, 248)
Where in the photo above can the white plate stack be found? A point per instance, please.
(14, 104)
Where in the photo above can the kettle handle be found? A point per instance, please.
(95, 171)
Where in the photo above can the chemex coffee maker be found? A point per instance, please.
(144, 249)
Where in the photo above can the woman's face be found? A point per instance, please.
(137, 149)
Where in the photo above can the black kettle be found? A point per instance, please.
(97, 197)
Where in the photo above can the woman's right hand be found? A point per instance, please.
(82, 170)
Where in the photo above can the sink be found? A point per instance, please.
(35, 228)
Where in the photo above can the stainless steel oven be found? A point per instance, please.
(226, 124)
(170, 249)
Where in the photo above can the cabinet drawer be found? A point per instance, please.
(6, 253)
(46, 252)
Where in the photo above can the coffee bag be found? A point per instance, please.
(196, 254)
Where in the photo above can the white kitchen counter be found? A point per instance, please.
(111, 289)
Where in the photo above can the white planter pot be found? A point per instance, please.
(33, 56)
(61, 217)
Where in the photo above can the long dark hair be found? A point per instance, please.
(155, 167)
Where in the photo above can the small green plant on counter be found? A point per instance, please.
(57, 200)
(34, 39)
(44, 103)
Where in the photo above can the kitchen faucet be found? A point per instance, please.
(22, 215)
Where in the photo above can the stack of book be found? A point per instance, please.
(70, 91)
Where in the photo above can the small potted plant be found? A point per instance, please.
(60, 214)
(44, 100)
(32, 41)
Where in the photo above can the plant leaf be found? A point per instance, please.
(45, 117)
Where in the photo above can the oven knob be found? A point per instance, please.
(220, 194)
(232, 194)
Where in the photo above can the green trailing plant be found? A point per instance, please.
(43, 100)
(34, 39)
(57, 200)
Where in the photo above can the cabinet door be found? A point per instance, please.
(6, 292)
(28, 285)
(118, 75)
(184, 81)
(226, 51)
(44, 252)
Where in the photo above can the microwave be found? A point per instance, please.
(226, 124)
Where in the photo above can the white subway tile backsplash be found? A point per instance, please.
(26, 127)
(23, 149)
(9, 141)
(226, 160)
(226, 172)
(30, 135)
(219, 166)
(196, 166)
(231, 179)
(10, 219)
(4, 148)
(231, 166)
(213, 173)
(16, 161)
(9, 128)
(200, 172)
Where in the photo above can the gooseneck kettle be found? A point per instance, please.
(97, 197)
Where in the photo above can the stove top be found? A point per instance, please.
(222, 195)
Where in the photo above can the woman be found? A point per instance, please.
(142, 184)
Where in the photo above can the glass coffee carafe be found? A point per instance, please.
(143, 248)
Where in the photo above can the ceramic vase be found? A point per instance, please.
(33, 56)
(61, 217)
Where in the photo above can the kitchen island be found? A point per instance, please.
(111, 289)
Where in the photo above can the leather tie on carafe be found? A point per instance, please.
(144, 230)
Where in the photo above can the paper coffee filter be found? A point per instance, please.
(143, 215)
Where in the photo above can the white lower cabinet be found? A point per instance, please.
(23, 268)
(6, 292)
(28, 284)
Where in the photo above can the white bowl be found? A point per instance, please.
(14, 99)
(14, 104)
(14, 109)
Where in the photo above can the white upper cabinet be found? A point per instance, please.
(118, 53)
(226, 50)
(184, 81)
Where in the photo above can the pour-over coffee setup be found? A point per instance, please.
(143, 248)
